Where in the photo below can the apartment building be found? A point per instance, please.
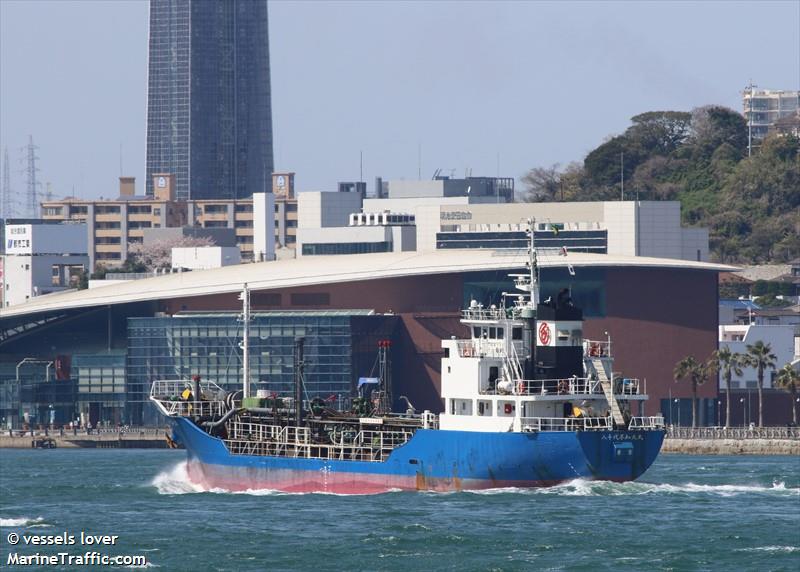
(238, 215)
(763, 107)
(113, 225)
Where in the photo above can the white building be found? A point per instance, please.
(763, 107)
(318, 209)
(781, 339)
(264, 223)
(40, 258)
(630, 228)
(205, 257)
(366, 233)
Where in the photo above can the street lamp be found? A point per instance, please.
(741, 400)
(719, 412)
(678, 401)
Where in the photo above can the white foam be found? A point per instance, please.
(769, 549)
(583, 487)
(17, 522)
(175, 481)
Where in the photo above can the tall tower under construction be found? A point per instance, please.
(209, 117)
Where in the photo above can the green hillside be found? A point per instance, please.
(750, 204)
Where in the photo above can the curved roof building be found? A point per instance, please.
(656, 311)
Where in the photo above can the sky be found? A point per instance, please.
(392, 89)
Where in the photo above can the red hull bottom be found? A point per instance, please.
(241, 479)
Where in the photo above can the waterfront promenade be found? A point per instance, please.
(732, 441)
(104, 438)
(683, 440)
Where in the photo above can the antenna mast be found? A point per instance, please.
(533, 264)
(33, 186)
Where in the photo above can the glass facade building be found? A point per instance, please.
(340, 346)
(209, 119)
(100, 382)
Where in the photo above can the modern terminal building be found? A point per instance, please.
(92, 354)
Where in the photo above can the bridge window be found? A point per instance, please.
(484, 408)
(516, 334)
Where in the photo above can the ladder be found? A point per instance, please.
(608, 390)
(511, 367)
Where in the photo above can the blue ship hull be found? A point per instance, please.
(431, 460)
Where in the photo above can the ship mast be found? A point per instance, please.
(245, 343)
(533, 264)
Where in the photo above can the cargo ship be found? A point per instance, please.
(528, 402)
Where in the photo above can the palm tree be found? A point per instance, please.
(788, 378)
(696, 372)
(759, 355)
(728, 363)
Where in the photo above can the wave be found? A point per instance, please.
(583, 487)
(175, 481)
(17, 522)
(769, 549)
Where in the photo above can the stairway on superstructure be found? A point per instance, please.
(608, 390)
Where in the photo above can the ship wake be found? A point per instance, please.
(587, 488)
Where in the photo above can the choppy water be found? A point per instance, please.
(686, 513)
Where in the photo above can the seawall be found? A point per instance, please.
(101, 441)
(732, 446)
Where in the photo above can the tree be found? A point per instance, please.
(714, 125)
(542, 184)
(158, 254)
(728, 363)
(789, 379)
(759, 355)
(697, 373)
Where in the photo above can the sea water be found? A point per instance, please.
(685, 513)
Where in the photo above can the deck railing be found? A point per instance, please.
(654, 422)
(484, 314)
(347, 444)
(596, 348)
(565, 423)
(168, 395)
(481, 348)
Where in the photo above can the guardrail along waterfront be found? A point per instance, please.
(104, 438)
(733, 440)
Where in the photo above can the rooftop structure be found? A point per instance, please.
(483, 189)
(40, 257)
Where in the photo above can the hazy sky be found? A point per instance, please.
(475, 84)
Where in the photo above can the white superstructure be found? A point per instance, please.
(496, 380)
